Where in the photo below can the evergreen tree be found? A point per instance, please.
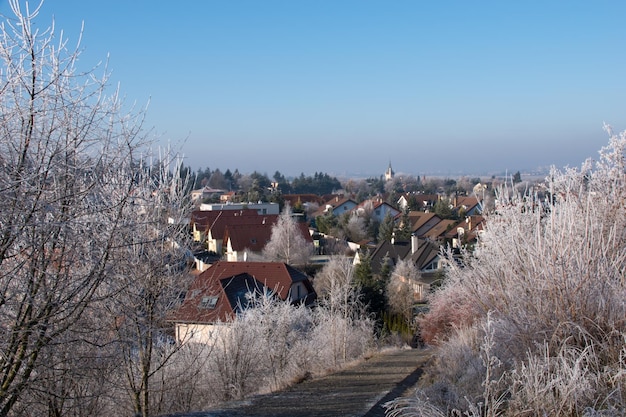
(372, 288)
(403, 231)
(385, 268)
(442, 208)
(363, 271)
(325, 223)
(385, 230)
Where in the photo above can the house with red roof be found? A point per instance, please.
(202, 220)
(302, 199)
(422, 222)
(245, 241)
(467, 205)
(215, 234)
(223, 291)
(466, 231)
(438, 232)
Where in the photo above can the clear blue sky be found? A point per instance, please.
(344, 87)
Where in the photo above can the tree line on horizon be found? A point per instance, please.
(259, 187)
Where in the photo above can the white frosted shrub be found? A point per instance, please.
(274, 343)
(418, 405)
(456, 369)
(554, 384)
(338, 340)
(549, 268)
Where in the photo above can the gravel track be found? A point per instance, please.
(359, 390)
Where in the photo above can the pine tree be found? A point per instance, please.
(385, 230)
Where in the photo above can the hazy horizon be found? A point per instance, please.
(345, 87)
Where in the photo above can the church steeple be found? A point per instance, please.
(389, 173)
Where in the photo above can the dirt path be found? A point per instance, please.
(358, 391)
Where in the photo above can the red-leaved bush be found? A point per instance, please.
(450, 308)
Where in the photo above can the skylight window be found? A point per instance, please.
(208, 302)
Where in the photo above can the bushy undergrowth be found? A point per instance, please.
(277, 344)
(534, 322)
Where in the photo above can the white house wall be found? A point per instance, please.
(200, 333)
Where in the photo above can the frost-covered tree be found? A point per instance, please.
(273, 342)
(399, 292)
(283, 331)
(336, 287)
(149, 275)
(355, 229)
(341, 307)
(66, 152)
(544, 292)
(287, 243)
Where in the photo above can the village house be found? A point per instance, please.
(424, 202)
(336, 205)
(216, 231)
(425, 255)
(199, 195)
(378, 209)
(227, 197)
(422, 222)
(466, 205)
(438, 232)
(466, 231)
(201, 221)
(261, 208)
(220, 293)
(244, 242)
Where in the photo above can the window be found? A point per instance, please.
(208, 302)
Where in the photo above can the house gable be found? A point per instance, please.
(468, 204)
(216, 234)
(439, 231)
(423, 223)
(378, 208)
(202, 221)
(218, 294)
(335, 205)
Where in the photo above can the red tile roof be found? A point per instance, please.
(440, 229)
(204, 218)
(255, 236)
(468, 202)
(423, 223)
(222, 283)
(218, 229)
(248, 236)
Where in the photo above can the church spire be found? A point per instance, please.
(389, 173)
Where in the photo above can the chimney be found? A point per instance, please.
(414, 244)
